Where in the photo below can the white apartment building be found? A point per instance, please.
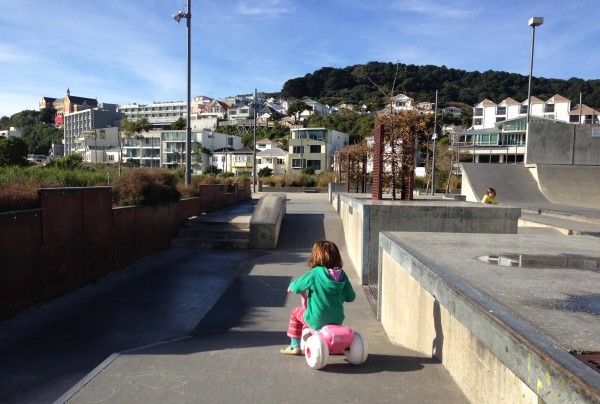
(487, 113)
(159, 114)
(75, 123)
(498, 134)
(314, 147)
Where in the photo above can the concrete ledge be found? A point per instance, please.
(266, 221)
(503, 333)
(364, 218)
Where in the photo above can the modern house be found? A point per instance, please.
(314, 147)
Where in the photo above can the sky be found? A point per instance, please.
(132, 51)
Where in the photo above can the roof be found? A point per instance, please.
(243, 150)
(585, 111)
(558, 98)
(486, 103)
(510, 101)
(82, 100)
(534, 100)
(276, 151)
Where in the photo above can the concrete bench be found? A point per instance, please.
(266, 221)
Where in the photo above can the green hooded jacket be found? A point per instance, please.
(325, 297)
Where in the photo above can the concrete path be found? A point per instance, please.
(206, 326)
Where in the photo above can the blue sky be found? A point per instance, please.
(123, 51)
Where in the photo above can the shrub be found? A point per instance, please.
(210, 169)
(16, 196)
(265, 172)
(146, 187)
(308, 170)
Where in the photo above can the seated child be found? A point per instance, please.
(327, 287)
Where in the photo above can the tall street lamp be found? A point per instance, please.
(188, 150)
(533, 22)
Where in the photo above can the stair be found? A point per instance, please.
(214, 233)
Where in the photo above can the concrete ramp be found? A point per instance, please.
(514, 184)
(570, 185)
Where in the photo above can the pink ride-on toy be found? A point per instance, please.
(332, 339)
(335, 340)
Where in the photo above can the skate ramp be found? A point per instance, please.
(514, 184)
(569, 190)
(570, 185)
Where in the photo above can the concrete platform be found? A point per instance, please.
(531, 301)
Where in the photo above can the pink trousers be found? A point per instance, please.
(297, 322)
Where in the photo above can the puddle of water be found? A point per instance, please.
(543, 261)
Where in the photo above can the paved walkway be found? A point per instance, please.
(223, 315)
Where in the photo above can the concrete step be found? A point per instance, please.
(212, 224)
(228, 244)
(214, 233)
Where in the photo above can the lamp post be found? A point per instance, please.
(188, 151)
(533, 22)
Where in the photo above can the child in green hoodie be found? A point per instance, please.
(326, 288)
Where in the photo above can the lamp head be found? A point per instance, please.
(177, 17)
(535, 21)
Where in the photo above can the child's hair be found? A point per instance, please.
(326, 254)
(490, 190)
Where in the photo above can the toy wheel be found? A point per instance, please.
(358, 351)
(305, 336)
(316, 352)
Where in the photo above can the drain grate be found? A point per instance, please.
(592, 360)
(375, 291)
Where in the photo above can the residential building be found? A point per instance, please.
(402, 102)
(11, 132)
(452, 111)
(94, 144)
(270, 154)
(314, 147)
(498, 134)
(159, 114)
(487, 113)
(105, 115)
(242, 161)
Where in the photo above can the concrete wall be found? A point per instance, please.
(413, 318)
(266, 221)
(563, 144)
(492, 354)
(363, 219)
(559, 183)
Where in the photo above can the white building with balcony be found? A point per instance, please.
(314, 147)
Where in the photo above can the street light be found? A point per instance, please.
(188, 151)
(533, 22)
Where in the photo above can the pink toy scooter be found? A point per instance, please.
(335, 340)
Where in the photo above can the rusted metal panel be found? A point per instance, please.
(590, 359)
(21, 264)
(123, 237)
(162, 230)
(144, 230)
(62, 237)
(97, 231)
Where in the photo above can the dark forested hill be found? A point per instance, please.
(331, 85)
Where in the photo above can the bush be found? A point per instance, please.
(146, 187)
(308, 170)
(16, 196)
(265, 172)
(210, 169)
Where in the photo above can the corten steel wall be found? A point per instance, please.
(77, 237)
(21, 265)
(63, 239)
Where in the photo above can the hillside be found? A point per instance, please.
(333, 85)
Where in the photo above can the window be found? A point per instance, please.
(296, 163)
(523, 109)
(478, 121)
(298, 149)
(280, 161)
(316, 164)
(501, 111)
(478, 112)
(549, 108)
(111, 157)
(315, 148)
